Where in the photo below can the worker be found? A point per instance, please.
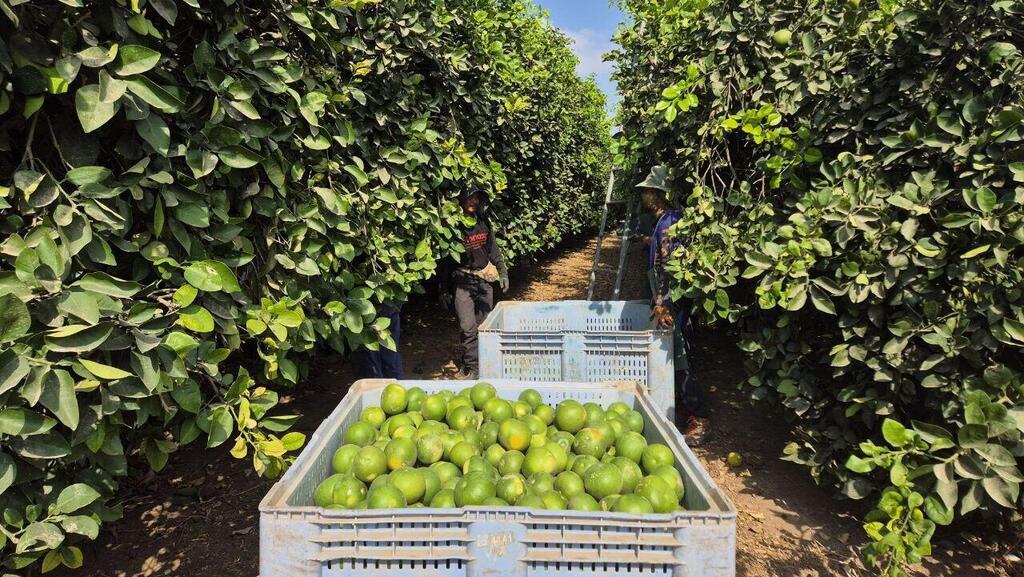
(479, 265)
(693, 414)
(382, 363)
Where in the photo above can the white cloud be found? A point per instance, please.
(590, 47)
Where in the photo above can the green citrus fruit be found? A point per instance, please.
(414, 399)
(735, 460)
(393, 399)
(472, 437)
(545, 413)
(369, 463)
(564, 439)
(603, 479)
(360, 433)
(323, 495)
(782, 38)
(538, 440)
(479, 464)
(569, 484)
(434, 408)
(511, 487)
(404, 432)
(462, 418)
(429, 427)
(462, 452)
(373, 415)
(446, 470)
(659, 493)
(381, 480)
(609, 502)
(582, 463)
(521, 409)
(489, 433)
(431, 484)
(590, 441)
(583, 502)
(444, 499)
(498, 410)
(631, 473)
(451, 483)
(536, 424)
(410, 482)
(632, 504)
(494, 502)
(457, 402)
(417, 418)
(481, 393)
(386, 497)
(494, 453)
(570, 416)
(540, 482)
(531, 397)
(511, 462)
(514, 434)
(398, 421)
(474, 490)
(635, 421)
(618, 408)
(429, 449)
(531, 501)
(449, 439)
(618, 426)
(656, 455)
(560, 454)
(400, 453)
(670, 475)
(595, 414)
(342, 461)
(631, 445)
(552, 500)
(539, 460)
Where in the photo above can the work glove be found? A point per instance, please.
(447, 300)
(503, 282)
(663, 316)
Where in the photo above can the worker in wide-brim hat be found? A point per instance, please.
(466, 285)
(691, 410)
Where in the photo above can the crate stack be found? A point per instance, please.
(585, 341)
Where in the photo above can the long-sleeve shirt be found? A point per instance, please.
(662, 246)
(481, 249)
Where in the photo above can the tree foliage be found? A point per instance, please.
(196, 197)
(852, 177)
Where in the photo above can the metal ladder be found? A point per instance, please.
(632, 206)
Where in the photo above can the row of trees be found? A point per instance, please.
(852, 178)
(194, 197)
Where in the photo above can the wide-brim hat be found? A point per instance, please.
(469, 192)
(656, 179)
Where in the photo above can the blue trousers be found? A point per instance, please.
(689, 390)
(382, 363)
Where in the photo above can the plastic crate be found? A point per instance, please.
(588, 341)
(298, 539)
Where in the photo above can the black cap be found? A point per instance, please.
(468, 193)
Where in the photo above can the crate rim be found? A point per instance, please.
(722, 507)
(492, 317)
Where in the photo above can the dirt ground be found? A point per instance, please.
(200, 516)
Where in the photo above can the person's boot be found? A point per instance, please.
(466, 375)
(696, 431)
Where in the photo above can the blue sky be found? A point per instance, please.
(590, 24)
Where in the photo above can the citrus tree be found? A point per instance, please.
(196, 197)
(852, 181)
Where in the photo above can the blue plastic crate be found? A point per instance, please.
(589, 341)
(298, 539)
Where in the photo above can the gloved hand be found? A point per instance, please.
(447, 300)
(663, 316)
(503, 281)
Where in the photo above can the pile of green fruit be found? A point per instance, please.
(474, 448)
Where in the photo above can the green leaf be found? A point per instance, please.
(997, 455)
(937, 511)
(238, 157)
(1002, 491)
(221, 426)
(154, 95)
(202, 162)
(58, 395)
(81, 304)
(185, 294)
(39, 536)
(97, 56)
(1014, 328)
(188, 396)
(92, 111)
(859, 465)
(105, 284)
(15, 320)
(104, 372)
(13, 368)
(895, 434)
(180, 343)
(986, 199)
(81, 525)
(357, 173)
(45, 446)
(196, 318)
(84, 175)
(133, 59)
(86, 339)
(8, 472)
(154, 131)
(75, 497)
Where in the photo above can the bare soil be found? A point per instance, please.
(200, 516)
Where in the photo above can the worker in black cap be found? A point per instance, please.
(466, 284)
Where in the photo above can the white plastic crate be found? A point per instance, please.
(298, 539)
(588, 341)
